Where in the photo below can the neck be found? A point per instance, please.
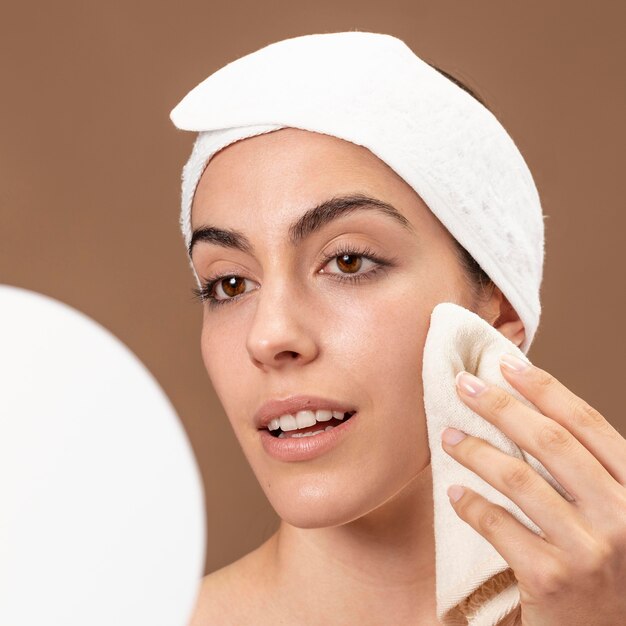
(381, 565)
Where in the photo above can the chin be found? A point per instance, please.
(322, 505)
(321, 518)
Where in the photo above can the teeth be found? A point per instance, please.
(310, 434)
(288, 422)
(302, 419)
(305, 418)
(317, 432)
(323, 416)
(274, 424)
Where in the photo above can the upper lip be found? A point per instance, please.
(275, 408)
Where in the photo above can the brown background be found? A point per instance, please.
(90, 171)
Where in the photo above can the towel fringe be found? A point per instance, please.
(463, 612)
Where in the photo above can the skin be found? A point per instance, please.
(355, 542)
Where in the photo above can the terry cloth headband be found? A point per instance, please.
(371, 89)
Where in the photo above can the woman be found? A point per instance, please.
(318, 267)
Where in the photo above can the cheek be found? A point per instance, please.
(207, 348)
(382, 338)
(384, 344)
(223, 349)
(376, 352)
(391, 338)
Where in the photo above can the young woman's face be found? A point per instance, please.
(353, 332)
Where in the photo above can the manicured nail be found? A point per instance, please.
(452, 436)
(470, 384)
(513, 362)
(455, 492)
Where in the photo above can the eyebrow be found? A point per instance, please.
(309, 222)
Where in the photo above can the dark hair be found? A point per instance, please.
(479, 279)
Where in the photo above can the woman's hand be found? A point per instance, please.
(575, 571)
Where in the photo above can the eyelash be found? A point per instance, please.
(204, 294)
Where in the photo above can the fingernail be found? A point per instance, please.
(452, 436)
(455, 492)
(470, 384)
(513, 362)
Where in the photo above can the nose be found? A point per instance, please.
(281, 333)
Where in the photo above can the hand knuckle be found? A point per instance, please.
(617, 532)
(599, 559)
(554, 439)
(520, 478)
(544, 379)
(616, 540)
(491, 519)
(550, 579)
(500, 401)
(583, 414)
(594, 563)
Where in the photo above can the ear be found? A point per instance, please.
(503, 317)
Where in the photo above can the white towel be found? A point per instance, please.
(466, 563)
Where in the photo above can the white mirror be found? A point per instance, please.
(102, 517)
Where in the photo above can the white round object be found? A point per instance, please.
(102, 517)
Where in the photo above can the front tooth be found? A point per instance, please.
(287, 422)
(274, 424)
(305, 418)
(323, 415)
(338, 415)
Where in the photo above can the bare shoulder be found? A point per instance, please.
(233, 594)
(212, 601)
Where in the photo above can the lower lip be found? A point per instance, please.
(305, 448)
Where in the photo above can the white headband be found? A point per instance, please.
(372, 90)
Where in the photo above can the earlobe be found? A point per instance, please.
(507, 320)
(513, 330)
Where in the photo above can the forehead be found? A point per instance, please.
(283, 171)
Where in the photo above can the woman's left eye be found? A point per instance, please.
(350, 262)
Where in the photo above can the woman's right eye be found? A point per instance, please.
(221, 290)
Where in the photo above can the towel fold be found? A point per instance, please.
(474, 584)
